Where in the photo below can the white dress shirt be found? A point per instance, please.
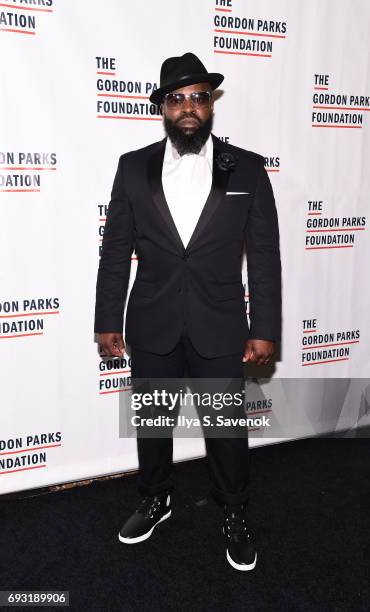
(187, 181)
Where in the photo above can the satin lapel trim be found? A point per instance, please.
(154, 168)
(217, 193)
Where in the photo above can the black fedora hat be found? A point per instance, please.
(181, 71)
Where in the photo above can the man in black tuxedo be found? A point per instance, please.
(188, 205)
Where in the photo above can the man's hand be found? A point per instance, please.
(258, 351)
(111, 345)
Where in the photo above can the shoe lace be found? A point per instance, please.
(149, 506)
(236, 525)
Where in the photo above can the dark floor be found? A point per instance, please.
(310, 508)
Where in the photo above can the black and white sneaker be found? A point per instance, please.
(139, 526)
(240, 551)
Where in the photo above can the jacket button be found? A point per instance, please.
(179, 289)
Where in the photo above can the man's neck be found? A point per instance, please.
(203, 151)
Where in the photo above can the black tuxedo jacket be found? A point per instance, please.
(200, 286)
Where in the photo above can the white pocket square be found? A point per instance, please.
(237, 193)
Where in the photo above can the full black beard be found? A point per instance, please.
(188, 143)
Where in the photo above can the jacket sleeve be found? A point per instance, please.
(263, 263)
(115, 262)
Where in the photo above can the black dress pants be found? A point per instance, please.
(227, 457)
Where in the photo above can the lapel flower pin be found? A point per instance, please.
(226, 161)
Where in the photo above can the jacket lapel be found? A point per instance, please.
(217, 193)
(215, 197)
(154, 169)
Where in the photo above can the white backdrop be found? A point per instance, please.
(296, 90)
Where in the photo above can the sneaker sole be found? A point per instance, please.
(146, 535)
(243, 567)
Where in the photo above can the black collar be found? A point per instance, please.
(216, 194)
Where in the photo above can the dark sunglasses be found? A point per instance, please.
(200, 99)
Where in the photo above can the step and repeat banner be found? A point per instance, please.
(76, 78)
